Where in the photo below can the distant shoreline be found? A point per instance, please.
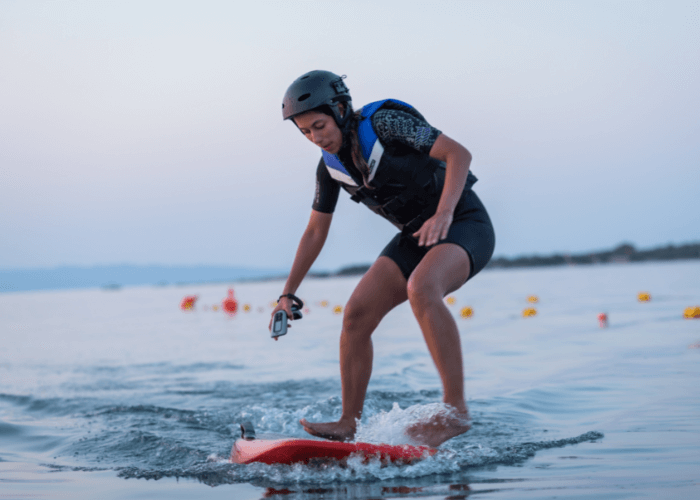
(621, 254)
(113, 278)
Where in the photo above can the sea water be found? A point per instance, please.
(121, 394)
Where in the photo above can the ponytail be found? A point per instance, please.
(355, 148)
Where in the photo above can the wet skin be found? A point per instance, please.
(443, 270)
(382, 288)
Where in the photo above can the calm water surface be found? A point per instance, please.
(120, 394)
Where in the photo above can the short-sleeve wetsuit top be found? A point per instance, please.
(471, 228)
(391, 126)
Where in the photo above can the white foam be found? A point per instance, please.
(390, 427)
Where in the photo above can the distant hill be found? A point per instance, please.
(116, 276)
(623, 253)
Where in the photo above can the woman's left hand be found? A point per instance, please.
(434, 229)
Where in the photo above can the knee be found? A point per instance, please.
(422, 292)
(358, 319)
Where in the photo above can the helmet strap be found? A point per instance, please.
(342, 120)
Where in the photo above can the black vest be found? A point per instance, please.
(406, 184)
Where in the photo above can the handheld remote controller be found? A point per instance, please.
(279, 322)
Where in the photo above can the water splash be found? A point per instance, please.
(355, 469)
(390, 427)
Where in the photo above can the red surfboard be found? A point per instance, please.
(286, 450)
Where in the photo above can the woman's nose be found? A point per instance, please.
(316, 138)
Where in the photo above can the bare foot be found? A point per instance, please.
(439, 428)
(335, 431)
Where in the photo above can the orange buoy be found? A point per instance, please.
(466, 312)
(533, 299)
(643, 296)
(530, 311)
(246, 308)
(337, 309)
(450, 300)
(230, 304)
(323, 303)
(188, 302)
(692, 312)
(603, 320)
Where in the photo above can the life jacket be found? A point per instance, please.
(406, 183)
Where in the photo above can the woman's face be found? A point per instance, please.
(320, 129)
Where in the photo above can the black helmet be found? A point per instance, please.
(314, 89)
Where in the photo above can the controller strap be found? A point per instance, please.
(297, 301)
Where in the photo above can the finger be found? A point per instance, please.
(430, 233)
(442, 234)
(434, 236)
(425, 233)
(445, 231)
(426, 238)
(434, 232)
(419, 234)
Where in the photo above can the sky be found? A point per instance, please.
(150, 132)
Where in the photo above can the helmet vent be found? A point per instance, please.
(304, 97)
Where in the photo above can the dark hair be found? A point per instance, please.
(356, 149)
(349, 131)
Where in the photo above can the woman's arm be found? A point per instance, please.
(310, 246)
(457, 159)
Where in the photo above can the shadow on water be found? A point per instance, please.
(448, 490)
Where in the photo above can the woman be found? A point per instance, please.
(389, 158)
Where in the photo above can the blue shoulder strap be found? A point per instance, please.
(365, 131)
(332, 162)
(368, 138)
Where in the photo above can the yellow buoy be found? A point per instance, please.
(530, 311)
(466, 312)
(214, 308)
(451, 300)
(643, 296)
(533, 299)
(692, 312)
(324, 303)
(273, 304)
(337, 309)
(246, 308)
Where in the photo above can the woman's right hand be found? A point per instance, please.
(284, 304)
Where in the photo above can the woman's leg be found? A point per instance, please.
(382, 288)
(444, 269)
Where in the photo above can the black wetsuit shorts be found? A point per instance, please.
(471, 229)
